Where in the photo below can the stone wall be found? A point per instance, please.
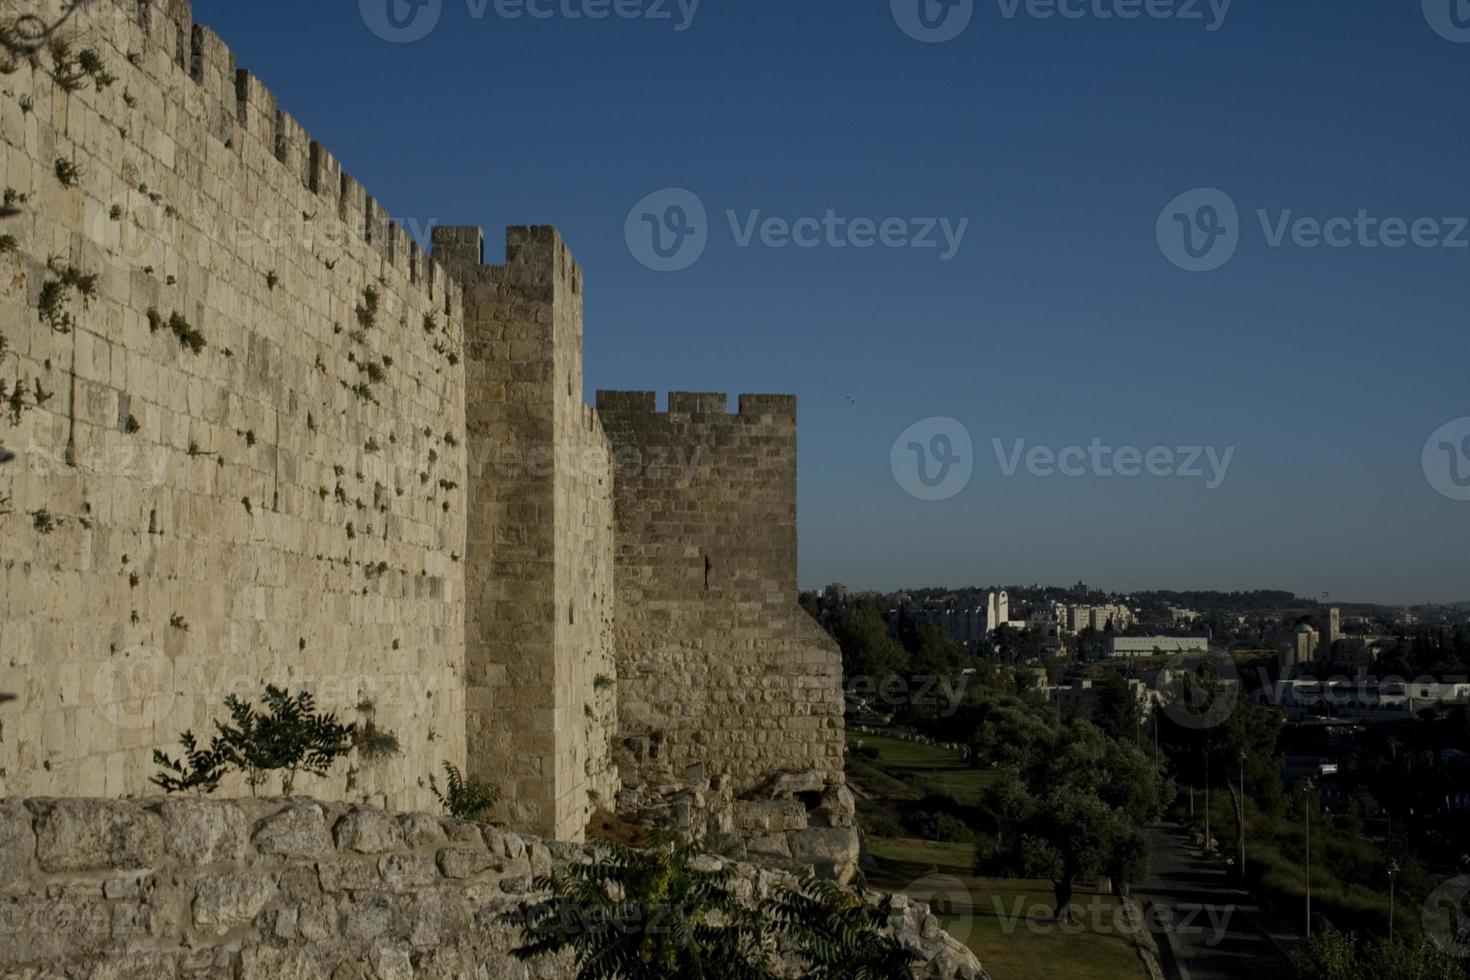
(284, 503)
(539, 567)
(263, 437)
(294, 890)
(729, 694)
(715, 656)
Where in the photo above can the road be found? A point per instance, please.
(1207, 929)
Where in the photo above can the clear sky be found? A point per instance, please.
(1058, 319)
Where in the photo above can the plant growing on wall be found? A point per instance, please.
(464, 799)
(367, 310)
(69, 172)
(197, 771)
(289, 737)
(56, 290)
(645, 915)
(837, 934)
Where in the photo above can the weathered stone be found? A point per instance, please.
(204, 831)
(268, 963)
(231, 899)
(134, 966)
(368, 832)
(770, 845)
(94, 835)
(464, 862)
(421, 830)
(404, 872)
(17, 844)
(299, 831)
(349, 874)
(831, 851)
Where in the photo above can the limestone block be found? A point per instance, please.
(17, 844)
(347, 874)
(405, 872)
(464, 862)
(368, 832)
(421, 830)
(93, 835)
(199, 832)
(235, 898)
(299, 831)
(268, 963)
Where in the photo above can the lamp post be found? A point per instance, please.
(1207, 800)
(1242, 816)
(1393, 870)
(1308, 809)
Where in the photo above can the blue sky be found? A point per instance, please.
(1059, 320)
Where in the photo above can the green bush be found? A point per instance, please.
(464, 799)
(938, 826)
(289, 737)
(878, 823)
(661, 914)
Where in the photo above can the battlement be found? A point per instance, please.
(241, 112)
(698, 403)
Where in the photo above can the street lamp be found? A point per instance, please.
(1208, 849)
(1242, 815)
(1308, 808)
(1393, 870)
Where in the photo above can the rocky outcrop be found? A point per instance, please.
(298, 890)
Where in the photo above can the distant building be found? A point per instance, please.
(1299, 648)
(1147, 646)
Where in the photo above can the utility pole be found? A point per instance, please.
(1208, 849)
(1308, 808)
(1393, 870)
(1242, 816)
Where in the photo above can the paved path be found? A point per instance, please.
(1213, 931)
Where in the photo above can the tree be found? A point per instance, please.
(1118, 712)
(1075, 810)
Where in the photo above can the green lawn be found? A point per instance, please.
(926, 768)
(1007, 923)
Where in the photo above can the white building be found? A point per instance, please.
(1148, 646)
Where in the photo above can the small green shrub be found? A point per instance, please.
(464, 799)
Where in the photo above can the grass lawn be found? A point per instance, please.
(926, 768)
(1007, 923)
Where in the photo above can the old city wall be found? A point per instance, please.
(718, 666)
(274, 889)
(264, 438)
(287, 501)
(540, 670)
